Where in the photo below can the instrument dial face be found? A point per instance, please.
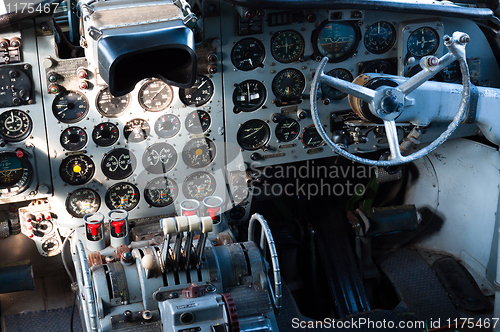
(50, 245)
(73, 138)
(336, 40)
(311, 138)
(248, 54)
(159, 158)
(70, 107)
(155, 95)
(15, 174)
(380, 37)
(332, 93)
(42, 228)
(15, 125)
(118, 164)
(105, 134)
(136, 130)
(287, 130)
(253, 134)
(198, 152)
(199, 185)
(198, 122)
(288, 84)
(77, 169)
(287, 46)
(423, 41)
(122, 195)
(199, 94)
(82, 201)
(161, 192)
(167, 126)
(111, 106)
(450, 73)
(249, 96)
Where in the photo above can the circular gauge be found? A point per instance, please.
(136, 130)
(253, 134)
(159, 158)
(155, 95)
(77, 169)
(380, 37)
(248, 54)
(111, 106)
(450, 73)
(198, 152)
(42, 228)
(122, 195)
(379, 67)
(73, 138)
(336, 40)
(70, 106)
(287, 46)
(199, 94)
(423, 41)
(249, 96)
(82, 201)
(105, 134)
(332, 93)
(15, 125)
(15, 173)
(311, 138)
(167, 126)
(118, 164)
(288, 84)
(160, 192)
(50, 245)
(197, 122)
(199, 185)
(287, 130)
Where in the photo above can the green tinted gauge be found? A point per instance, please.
(253, 134)
(287, 46)
(287, 130)
(249, 96)
(336, 40)
(248, 54)
(423, 41)
(380, 37)
(70, 107)
(311, 138)
(288, 84)
(332, 93)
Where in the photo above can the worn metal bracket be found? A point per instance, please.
(470, 116)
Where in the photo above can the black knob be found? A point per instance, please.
(212, 57)
(212, 69)
(2, 143)
(16, 101)
(301, 114)
(24, 94)
(13, 73)
(326, 101)
(255, 156)
(276, 117)
(127, 315)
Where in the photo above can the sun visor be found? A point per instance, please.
(127, 41)
(166, 54)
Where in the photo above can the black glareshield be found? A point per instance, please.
(166, 53)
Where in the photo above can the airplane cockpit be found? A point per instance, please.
(237, 165)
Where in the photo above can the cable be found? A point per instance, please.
(64, 259)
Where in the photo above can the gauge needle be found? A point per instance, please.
(64, 110)
(254, 132)
(156, 94)
(248, 92)
(199, 86)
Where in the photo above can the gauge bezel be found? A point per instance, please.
(124, 110)
(94, 131)
(78, 180)
(112, 175)
(347, 54)
(140, 96)
(296, 96)
(154, 168)
(304, 132)
(79, 147)
(167, 136)
(389, 45)
(76, 215)
(300, 52)
(253, 66)
(185, 190)
(261, 143)
(173, 194)
(75, 120)
(24, 182)
(237, 105)
(108, 202)
(24, 134)
(412, 34)
(184, 99)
